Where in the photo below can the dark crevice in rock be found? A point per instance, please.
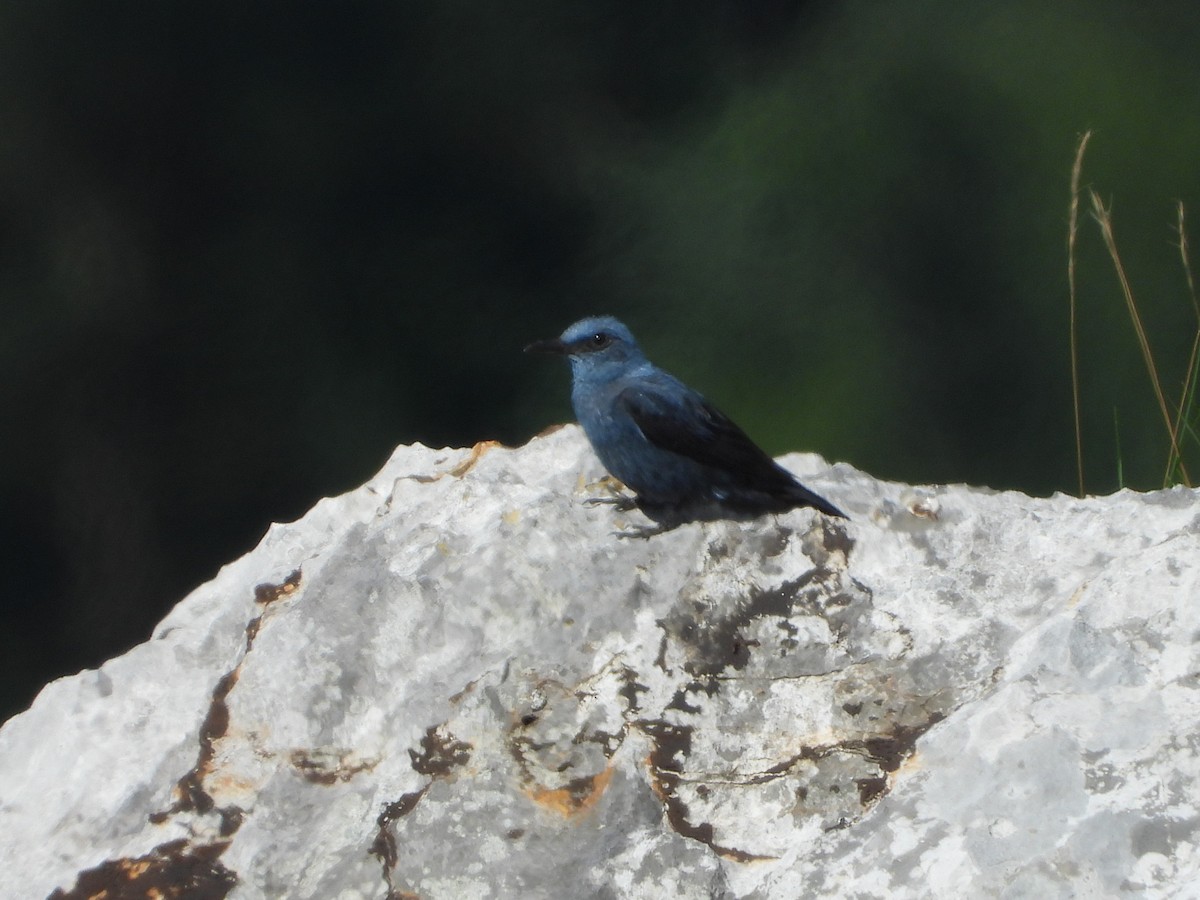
(440, 753)
(835, 538)
(871, 789)
(789, 643)
(882, 754)
(195, 867)
(672, 743)
(891, 749)
(716, 644)
(190, 794)
(680, 702)
(170, 870)
(709, 687)
(384, 846)
(660, 661)
(609, 743)
(630, 688)
(886, 750)
(318, 769)
(834, 783)
(269, 593)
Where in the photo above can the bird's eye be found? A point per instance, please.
(600, 339)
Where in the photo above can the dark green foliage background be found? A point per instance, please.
(248, 248)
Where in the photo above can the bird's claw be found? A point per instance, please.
(640, 532)
(622, 504)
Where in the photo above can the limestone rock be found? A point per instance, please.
(457, 682)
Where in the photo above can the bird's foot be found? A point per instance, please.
(622, 504)
(640, 532)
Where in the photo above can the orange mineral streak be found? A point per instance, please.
(477, 453)
(573, 801)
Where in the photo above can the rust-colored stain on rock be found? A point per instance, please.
(477, 453)
(269, 593)
(577, 797)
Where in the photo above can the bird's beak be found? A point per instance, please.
(554, 345)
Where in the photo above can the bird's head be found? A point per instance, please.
(598, 347)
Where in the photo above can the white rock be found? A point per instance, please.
(456, 682)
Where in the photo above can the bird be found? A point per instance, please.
(683, 458)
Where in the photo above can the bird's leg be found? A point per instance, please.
(641, 532)
(623, 504)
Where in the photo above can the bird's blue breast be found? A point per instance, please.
(653, 473)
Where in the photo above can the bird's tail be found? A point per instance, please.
(805, 497)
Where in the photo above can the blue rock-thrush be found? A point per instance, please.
(684, 458)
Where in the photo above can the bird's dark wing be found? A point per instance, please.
(683, 422)
(675, 418)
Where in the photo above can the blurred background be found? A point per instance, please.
(248, 248)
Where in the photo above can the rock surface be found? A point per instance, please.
(456, 682)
